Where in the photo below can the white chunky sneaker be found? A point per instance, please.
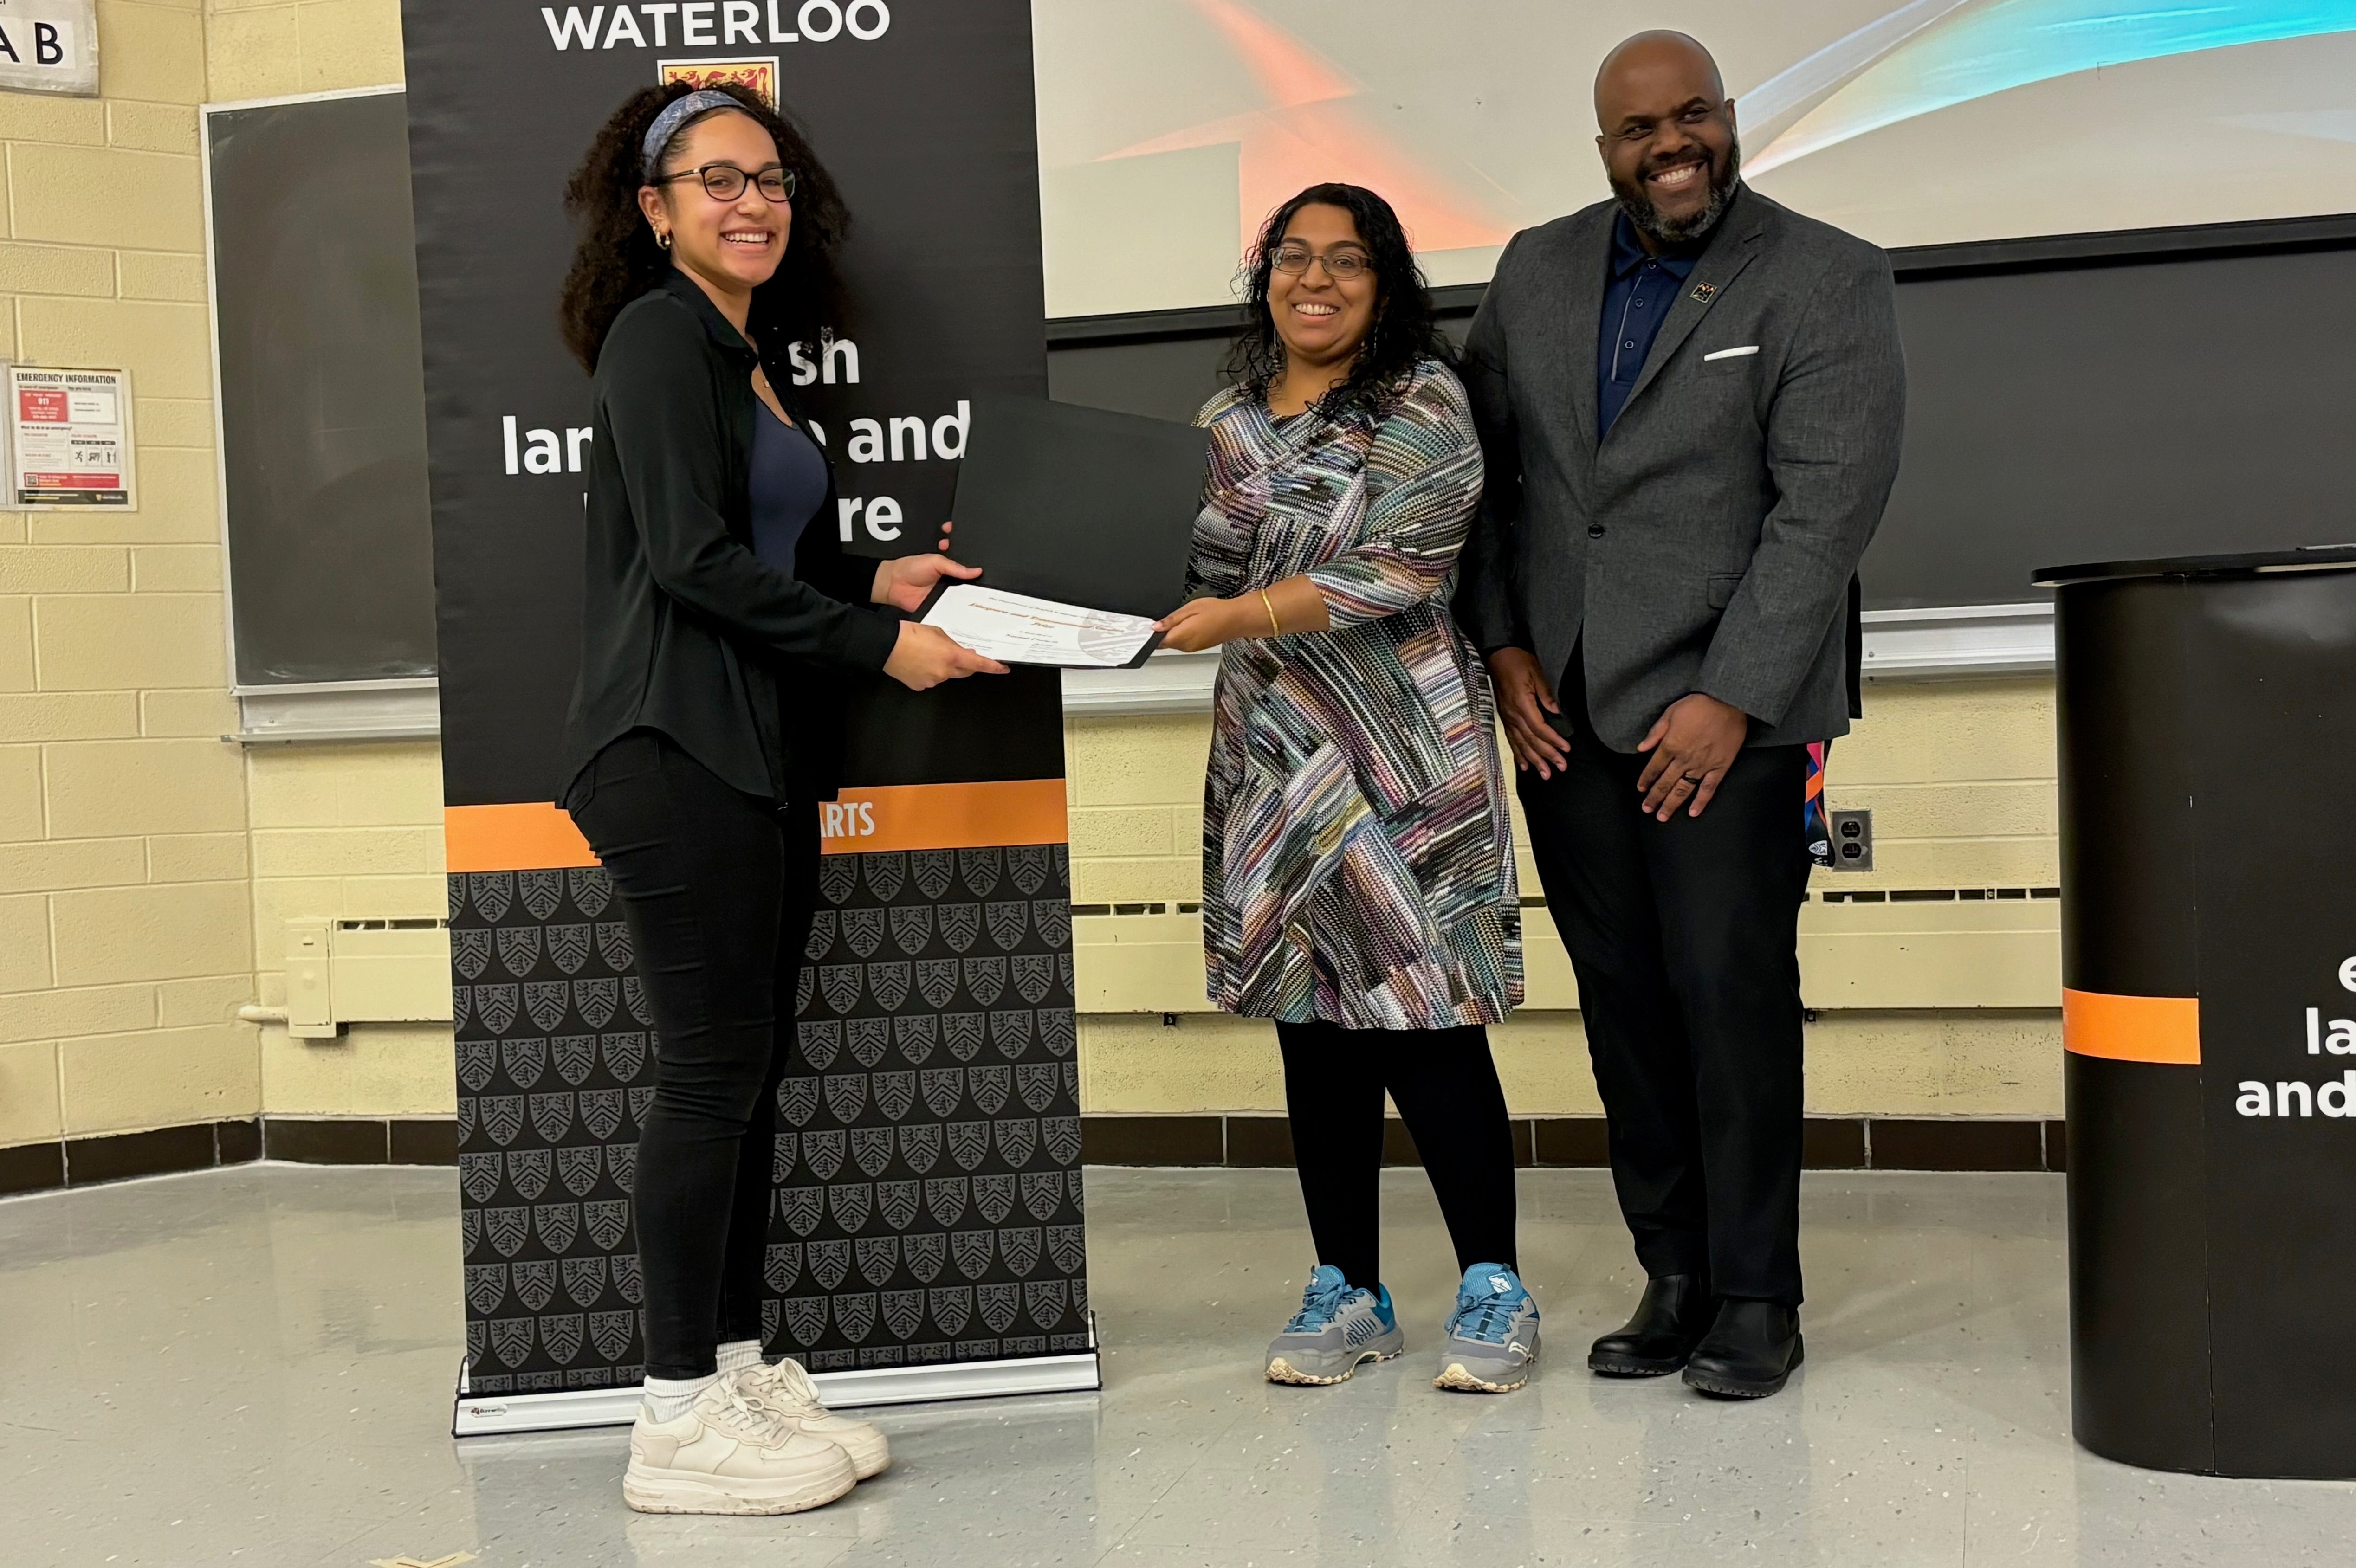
(785, 1392)
(730, 1455)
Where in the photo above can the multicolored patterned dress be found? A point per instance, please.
(1357, 859)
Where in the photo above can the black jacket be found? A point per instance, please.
(684, 629)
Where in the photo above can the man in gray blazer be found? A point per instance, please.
(1690, 400)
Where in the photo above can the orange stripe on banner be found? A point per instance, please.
(2132, 1029)
(538, 836)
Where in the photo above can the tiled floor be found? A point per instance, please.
(254, 1366)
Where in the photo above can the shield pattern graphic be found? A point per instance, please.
(611, 1332)
(994, 1196)
(896, 1201)
(951, 1307)
(594, 999)
(920, 1144)
(1057, 1031)
(525, 1056)
(989, 1086)
(869, 1039)
(979, 870)
(470, 1231)
(972, 1249)
(918, 1034)
(535, 1282)
(479, 1175)
(625, 1276)
(625, 1053)
(879, 1258)
(784, 1148)
(963, 1032)
(837, 875)
(1042, 1193)
(820, 1040)
(529, 1170)
(1044, 1300)
(888, 984)
(937, 980)
(1061, 1136)
(781, 1265)
(1068, 1246)
(823, 924)
(926, 1253)
(634, 997)
(477, 1060)
(552, 1114)
(470, 950)
(912, 928)
(544, 1000)
(871, 1148)
(1079, 1189)
(575, 1056)
(607, 1220)
(622, 1159)
(894, 1092)
(945, 1198)
(614, 944)
(502, 1117)
(999, 1304)
(466, 1119)
(576, 1167)
(840, 985)
(961, 923)
(508, 1229)
(491, 891)
(805, 989)
(1072, 1079)
(557, 1223)
(496, 1006)
(1019, 1245)
(969, 1143)
(886, 869)
(1035, 1082)
(862, 928)
(457, 892)
(541, 891)
(932, 869)
(1017, 1137)
(589, 889)
(1010, 1029)
(1054, 919)
(1027, 864)
(601, 1111)
(1007, 922)
(799, 1207)
(477, 1337)
(569, 946)
(797, 1100)
(851, 1202)
(1063, 968)
(486, 1287)
(944, 1087)
(854, 1314)
(462, 1006)
(511, 1340)
(829, 1262)
(822, 1151)
(519, 949)
(559, 1336)
(585, 1280)
(984, 978)
(903, 1313)
(846, 1095)
(806, 1318)
(1034, 975)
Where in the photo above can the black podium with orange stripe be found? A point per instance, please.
(2208, 750)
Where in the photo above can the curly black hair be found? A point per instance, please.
(615, 259)
(1403, 331)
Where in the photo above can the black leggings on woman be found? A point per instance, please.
(717, 887)
(1445, 1086)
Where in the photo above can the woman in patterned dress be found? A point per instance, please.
(1357, 863)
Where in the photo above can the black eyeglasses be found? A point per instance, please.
(725, 182)
(1342, 266)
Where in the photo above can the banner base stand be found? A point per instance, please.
(486, 1415)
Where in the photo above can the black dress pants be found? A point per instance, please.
(717, 888)
(1685, 938)
(1444, 1083)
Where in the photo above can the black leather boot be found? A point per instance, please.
(1676, 1313)
(1750, 1352)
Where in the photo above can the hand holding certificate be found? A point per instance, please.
(1018, 629)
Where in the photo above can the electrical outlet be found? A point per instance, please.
(1852, 840)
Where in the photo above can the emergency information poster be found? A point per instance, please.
(70, 438)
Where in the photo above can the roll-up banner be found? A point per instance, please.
(925, 1237)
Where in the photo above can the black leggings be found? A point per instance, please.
(717, 887)
(1445, 1086)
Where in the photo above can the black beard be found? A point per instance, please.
(1679, 231)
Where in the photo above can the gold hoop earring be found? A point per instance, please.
(662, 237)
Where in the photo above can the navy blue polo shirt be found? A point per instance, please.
(1636, 301)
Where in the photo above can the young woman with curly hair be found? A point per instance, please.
(721, 618)
(1357, 861)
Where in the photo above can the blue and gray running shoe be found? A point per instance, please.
(1336, 1328)
(1493, 1335)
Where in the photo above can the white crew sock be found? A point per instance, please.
(738, 1354)
(668, 1398)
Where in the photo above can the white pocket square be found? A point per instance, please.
(1730, 353)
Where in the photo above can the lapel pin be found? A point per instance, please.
(1704, 292)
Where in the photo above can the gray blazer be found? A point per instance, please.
(1708, 543)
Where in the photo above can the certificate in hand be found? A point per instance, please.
(1086, 514)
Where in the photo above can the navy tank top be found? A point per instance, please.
(788, 486)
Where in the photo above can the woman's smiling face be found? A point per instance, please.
(1321, 319)
(737, 244)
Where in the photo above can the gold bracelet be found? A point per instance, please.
(1274, 629)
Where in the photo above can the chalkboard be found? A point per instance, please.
(322, 400)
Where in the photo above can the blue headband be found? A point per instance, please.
(678, 113)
